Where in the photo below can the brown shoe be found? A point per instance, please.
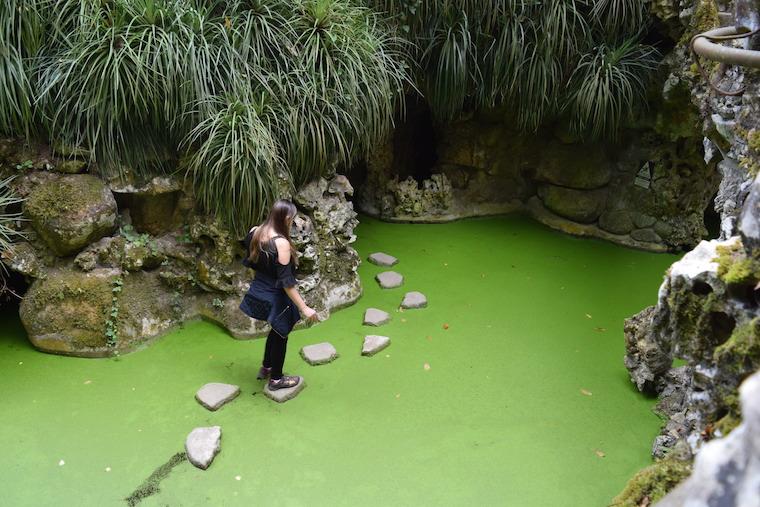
(283, 383)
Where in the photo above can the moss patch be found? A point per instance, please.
(652, 483)
(705, 18)
(741, 352)
(734, 267)
(62, 197)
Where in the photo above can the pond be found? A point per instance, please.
(509, 389)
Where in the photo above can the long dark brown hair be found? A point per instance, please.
(279, 220)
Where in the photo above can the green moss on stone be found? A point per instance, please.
(705, 18)
(734, 267)
(63, 196)
(652, 483)
(741, 352)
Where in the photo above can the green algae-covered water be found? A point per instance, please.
(523, 400)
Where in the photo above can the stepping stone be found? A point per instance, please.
(389, 279)
(283, 395)
(382, 259)
(374, 344)
(214, 395)
(375, 317)
(321, 353)
(202, 445)
(414, 300)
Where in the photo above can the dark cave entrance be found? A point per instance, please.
(712, 220)
(13, 286)
(414, 143)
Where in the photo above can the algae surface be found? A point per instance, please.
(511, 380)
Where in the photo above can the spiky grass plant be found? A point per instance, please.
(8, 233)
(234, 159)
(606, 85)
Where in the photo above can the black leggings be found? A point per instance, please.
(274, 353)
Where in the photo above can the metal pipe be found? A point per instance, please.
(704, 46)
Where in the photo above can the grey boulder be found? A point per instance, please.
(374, 344)
(389, 279)
(320, 353)
(202, 445)
(283, 395)
(375, 317)
(414, 299)
(214, 395)
(382, 259)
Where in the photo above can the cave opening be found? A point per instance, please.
(721, 327)
(712, 220)
(13, 286)
(414, 142)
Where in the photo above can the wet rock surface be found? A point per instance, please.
(414, 299)
(382, 259)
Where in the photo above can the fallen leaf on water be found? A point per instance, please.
(586, 392)
(401, 309)
(600, 453)
(211, 357)
(398, 396)
(429, 338)
(403, 320)
(600, 329)
(21, 362)
(61, 463)
(445, 326)
(237, 477)
(589, 316)
(108, 469)
(426, 366)
(88, 381)
(445, 263)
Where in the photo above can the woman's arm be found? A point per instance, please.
(283, 257)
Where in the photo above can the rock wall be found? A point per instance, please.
(650, 190)
(707, 317)
(113, 265)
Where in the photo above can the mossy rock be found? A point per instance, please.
(582, 167)
(652, 483)
(582, 206)
(65, 312)
(71, 212)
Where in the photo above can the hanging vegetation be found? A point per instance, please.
(240, 92)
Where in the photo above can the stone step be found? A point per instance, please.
(382, 259)
(215, 395)
(414, 299)
(374, 344)
(389, 279)
(320, 353)
(202, 445)
(376, 317)
(283, 395)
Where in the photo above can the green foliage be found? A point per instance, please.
(8, 233)
(522, 53)
(112, 319)
(607, 84)
(241, 91)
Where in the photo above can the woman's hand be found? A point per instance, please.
(310, 314)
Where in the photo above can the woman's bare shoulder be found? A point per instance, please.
(283, 250)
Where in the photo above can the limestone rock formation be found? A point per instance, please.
(215, 395)
(147, 259)
(705, 315)
(70, 212)
(320, 353)
(374, 344)
(727, 470)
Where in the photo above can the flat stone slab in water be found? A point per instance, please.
(375, 317)
(321, 353)
(382, 259)
(414, 300)
(283, 395)
(374, 344)
(202, 445)
(389, 279)
(214, 395)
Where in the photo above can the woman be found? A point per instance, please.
(273, 295)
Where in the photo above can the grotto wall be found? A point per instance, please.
(115, 264)
(649, 189)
